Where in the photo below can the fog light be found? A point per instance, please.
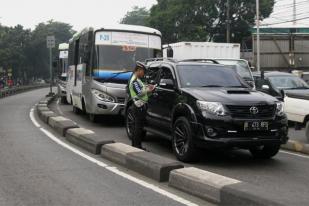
(211, 132)
(102, 106)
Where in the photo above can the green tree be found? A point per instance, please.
(205, 20)
(38, 52)
(138, 16)
(25, 51)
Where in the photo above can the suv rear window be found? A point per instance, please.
(208, 76)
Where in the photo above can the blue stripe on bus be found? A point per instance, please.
(106, 75)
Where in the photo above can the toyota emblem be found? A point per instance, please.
(254, 110)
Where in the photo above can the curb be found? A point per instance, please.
(296, 146)
(86, 139)
(203, 184)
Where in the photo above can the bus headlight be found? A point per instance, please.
(102, 96)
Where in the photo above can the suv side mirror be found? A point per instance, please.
(167, 83)
(265, 87)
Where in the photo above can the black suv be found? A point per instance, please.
(200, 104)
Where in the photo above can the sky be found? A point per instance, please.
(78, 13)
(283, 12)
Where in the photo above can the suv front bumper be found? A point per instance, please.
(231, 133)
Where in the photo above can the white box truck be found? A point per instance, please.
(203, 50)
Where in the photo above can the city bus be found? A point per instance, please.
(101, 62)
(62, 69)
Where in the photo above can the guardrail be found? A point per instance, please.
(16, 90)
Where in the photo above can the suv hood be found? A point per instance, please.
(230, 95)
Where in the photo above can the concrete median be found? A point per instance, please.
(152, 165)
(61, 124)
(87, 140)
(45, 115)
(117, 152)
(201, 183)
(243, 194)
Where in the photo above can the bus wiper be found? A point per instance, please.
(115, 75)
(212, 85)
(237, 86)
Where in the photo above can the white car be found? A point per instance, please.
(296, 106)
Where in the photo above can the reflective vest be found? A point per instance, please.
(138, 90)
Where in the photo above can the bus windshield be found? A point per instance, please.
(122, 58)
(117, 52)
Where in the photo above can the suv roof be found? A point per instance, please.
(212, 61)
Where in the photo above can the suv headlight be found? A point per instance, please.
(102, 96)
(215, 108)
(279, 108)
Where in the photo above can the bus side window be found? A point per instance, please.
(84, 55)
(76, 59)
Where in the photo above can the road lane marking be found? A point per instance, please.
(33, 119)
(58, 107)
(295, 154)
(113, 169)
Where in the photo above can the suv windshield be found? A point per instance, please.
(288, 82)
(208, 76)
(241, 67)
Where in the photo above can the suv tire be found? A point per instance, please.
(265, 151)
(130, 123)
(182, 141)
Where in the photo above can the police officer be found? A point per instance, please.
(139, 94)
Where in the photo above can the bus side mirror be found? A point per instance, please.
(170, 52)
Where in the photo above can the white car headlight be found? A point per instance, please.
(102, 96)
(279, 108)
(215, 108)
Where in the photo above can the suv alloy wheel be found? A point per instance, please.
(182, 140)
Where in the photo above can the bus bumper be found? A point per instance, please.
(107, 108)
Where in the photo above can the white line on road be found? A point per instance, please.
(295, 154)
(33, 119)
(114, 169)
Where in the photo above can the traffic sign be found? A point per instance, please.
(50, 40)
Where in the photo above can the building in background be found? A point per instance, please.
(284, 38)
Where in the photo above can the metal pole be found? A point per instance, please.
(258, 66)
(294, 12)
(50, 70)
(228, 22)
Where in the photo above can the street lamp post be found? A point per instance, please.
(258, 65)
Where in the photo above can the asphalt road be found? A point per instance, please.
(286, 176)
(36, 171)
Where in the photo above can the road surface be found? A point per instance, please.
(36, 171)
(285, 176)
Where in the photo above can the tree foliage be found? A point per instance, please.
(138, 16)
(205, 20)
(25, 51)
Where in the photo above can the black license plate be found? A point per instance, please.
(256, 126)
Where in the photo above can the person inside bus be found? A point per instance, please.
(139, 92)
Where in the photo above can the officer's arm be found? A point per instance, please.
(140, 91)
